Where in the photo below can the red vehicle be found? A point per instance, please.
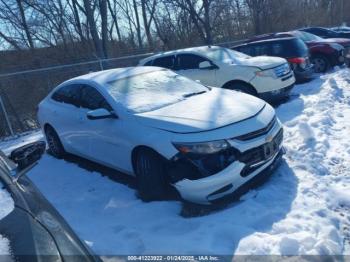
(324, 53)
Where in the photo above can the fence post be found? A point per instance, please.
(6, 116)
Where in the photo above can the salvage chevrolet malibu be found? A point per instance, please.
(165, 129)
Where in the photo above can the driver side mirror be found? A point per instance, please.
(100, 113)
(206, 65)
(28, 154)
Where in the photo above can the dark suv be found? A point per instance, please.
(326, 33)
(292, 49)
(324, 53)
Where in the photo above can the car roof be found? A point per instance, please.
(105, 76)
(314, 27)
(280, 39)
(198, 49)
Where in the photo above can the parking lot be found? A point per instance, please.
(302, 209)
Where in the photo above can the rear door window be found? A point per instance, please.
(189, 61)
(262, 49)
(290, 48)
(277, 49)
(248, 50)
(69, 94)
(92, 99)
(165, 61)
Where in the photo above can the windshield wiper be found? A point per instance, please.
(194, 94)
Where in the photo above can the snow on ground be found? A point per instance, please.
(6, 206)
(302, 209)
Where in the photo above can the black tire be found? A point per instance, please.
(150, 175)
(242, 87)
(55, 146)
(321, 63)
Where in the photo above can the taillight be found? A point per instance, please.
(296, 60)
(301, 61)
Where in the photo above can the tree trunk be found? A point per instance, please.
(93, 29)
(147, 24)
(104, 28)
(138, 27)
(77, 20)
(114, 17)
(24, 24)
(206, 24)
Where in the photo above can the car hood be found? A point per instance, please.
(208, 111)
(263, 62)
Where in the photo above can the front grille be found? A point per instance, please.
(282, 70)
(256, 157)
(259, 132)
(199, 166)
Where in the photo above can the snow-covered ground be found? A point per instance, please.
(6, 206)
(302, 209)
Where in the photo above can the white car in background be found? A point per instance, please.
(165, 129)
(269, 78)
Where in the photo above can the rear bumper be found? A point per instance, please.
(276, 95)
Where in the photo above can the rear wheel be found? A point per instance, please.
(55, 146)
(150, 174)
(242, 87)
(321, 63)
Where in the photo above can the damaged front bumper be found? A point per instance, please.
(207, 179)
(210, 189)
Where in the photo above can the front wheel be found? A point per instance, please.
(242, 87)
(55, 146)
(150, 175)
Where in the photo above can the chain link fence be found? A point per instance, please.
(21, 92)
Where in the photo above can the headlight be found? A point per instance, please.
(265, 73)
(202, 147)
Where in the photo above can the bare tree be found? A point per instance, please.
(113, 12)
(24, 23)
(104, 28)
(148, 10)
(93, 28)
(137, 25)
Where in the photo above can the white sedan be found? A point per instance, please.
(165, 129)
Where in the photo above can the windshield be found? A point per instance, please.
(225, 54)
(306, 37)
(153, 90)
